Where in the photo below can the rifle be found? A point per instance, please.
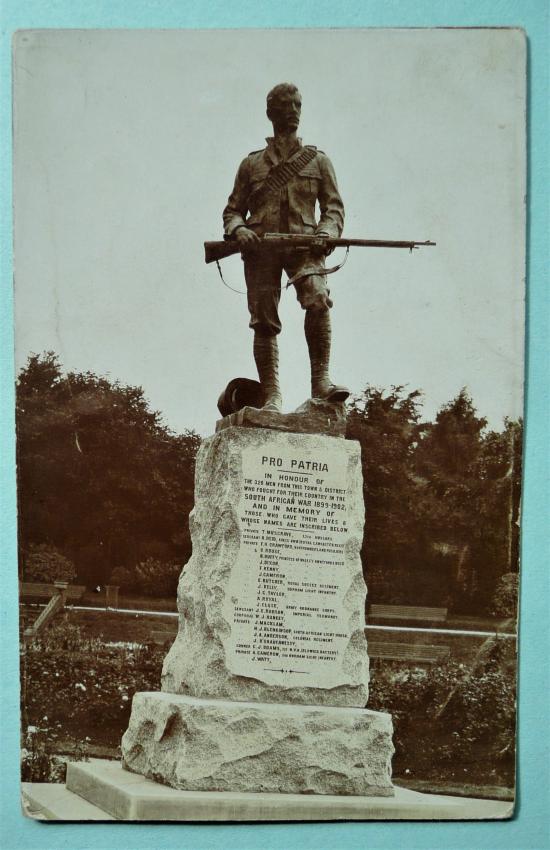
(216, 251)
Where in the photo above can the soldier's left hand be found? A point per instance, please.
(319, 250)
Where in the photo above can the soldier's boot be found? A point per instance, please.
(317, 329)
(266, 355)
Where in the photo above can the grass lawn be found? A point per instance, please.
(130, 600)
(128, 628)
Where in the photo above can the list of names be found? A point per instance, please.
(285, 598)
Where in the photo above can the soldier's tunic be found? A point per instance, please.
(288, 210)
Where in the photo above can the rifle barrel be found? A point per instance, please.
(377, 243)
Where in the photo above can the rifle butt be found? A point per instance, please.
(219, 250)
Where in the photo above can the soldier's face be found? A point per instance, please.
(284, 113)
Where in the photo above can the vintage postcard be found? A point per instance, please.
(269, 345)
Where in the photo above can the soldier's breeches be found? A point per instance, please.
(263, 284)
(263, 288)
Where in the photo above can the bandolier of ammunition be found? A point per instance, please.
(280, 174)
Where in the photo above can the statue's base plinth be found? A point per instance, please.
(314, 416)
(217, 745)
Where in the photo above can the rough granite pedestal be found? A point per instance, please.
(264, 687)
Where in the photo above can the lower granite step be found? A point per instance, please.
(103, 790)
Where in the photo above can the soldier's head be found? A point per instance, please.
(284, 104)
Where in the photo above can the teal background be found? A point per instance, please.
(529, 829)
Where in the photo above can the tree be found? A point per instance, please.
(158, 578)
(100, 477)
(505, 599)
(470, 501)
(500, 468)
(441, 500)
(387, 427)
(447, 463)
(123, 578)
(44, 563)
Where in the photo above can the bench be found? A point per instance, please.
(56, 596)
(407, 612)
(36, 590)
(407, 651)
(163, 637)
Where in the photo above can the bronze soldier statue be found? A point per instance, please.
(275, 191)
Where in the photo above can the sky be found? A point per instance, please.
(126, 145)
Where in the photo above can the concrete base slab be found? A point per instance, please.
(128, 796)
(49, 801)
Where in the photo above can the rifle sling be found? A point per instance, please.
(313, 271)
(297, 277)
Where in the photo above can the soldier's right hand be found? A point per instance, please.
(246, 237)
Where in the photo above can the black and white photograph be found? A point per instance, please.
(269, 325)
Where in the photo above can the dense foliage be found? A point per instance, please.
(158, 578)
(101, 479)
(441, 499)
(39, 763)
(44, 563)
(505, 600)
(452, 717)
(72, 683)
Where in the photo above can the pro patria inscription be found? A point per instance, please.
(285, 600)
